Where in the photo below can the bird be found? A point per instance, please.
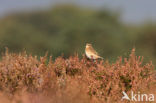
(91, 53)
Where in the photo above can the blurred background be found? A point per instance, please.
(65, 26)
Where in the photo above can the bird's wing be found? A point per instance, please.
(93, 50)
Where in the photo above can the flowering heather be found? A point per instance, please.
(25, 79)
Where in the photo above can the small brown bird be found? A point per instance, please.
(91, 53)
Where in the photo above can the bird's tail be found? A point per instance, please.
(101, 57)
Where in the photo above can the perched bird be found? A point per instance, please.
(91, 53)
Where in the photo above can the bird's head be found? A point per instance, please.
(88, 45)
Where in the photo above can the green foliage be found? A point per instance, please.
(66, 29)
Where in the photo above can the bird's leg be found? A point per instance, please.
(92, 59)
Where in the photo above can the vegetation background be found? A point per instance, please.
(67, 76)
(65, 29)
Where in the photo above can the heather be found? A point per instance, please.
(26, 79)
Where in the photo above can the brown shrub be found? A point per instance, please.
(25, 79)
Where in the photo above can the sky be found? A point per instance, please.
(132, 11)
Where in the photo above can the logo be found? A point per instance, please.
(138, 97)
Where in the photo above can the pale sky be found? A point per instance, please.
(133, 11)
